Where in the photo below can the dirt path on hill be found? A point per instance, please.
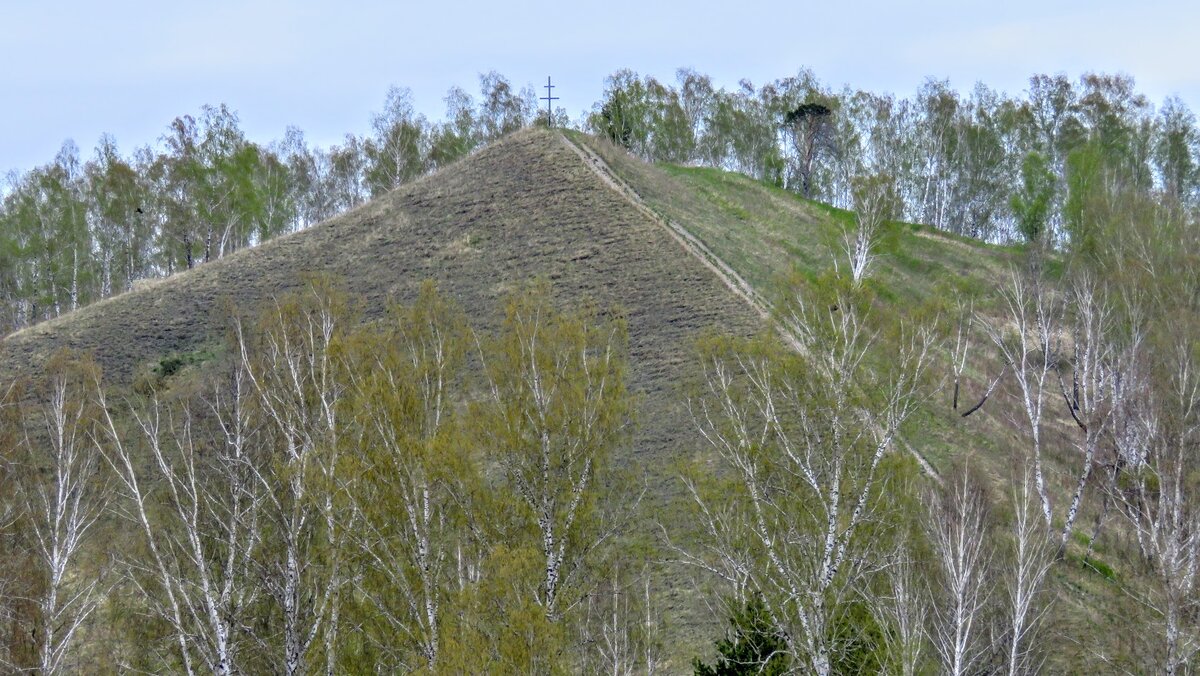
(689, 242)
(695, 247)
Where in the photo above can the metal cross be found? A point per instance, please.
(549, 99)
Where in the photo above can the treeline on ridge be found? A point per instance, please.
(986, 165)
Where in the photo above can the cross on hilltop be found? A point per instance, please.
(549, 99)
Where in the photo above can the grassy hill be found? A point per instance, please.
(765, 234)
(680, 250)
(523, 207)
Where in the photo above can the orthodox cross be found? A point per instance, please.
(549, 99)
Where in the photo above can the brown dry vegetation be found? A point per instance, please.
(523, 207)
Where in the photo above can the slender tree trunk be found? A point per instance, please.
(74, 278)
(1039, 478)
(1077, 497)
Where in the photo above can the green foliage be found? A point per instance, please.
(124, 234)
(952, 159)
(878, 207)
(803, 455)
(558, 408)
(502, 110)
(1032, 204)
(219, 191)
(1103, 569)
(860, 637)
(774, 170)
(494, 627)
(1174, 152)
(168, 367)
(753, 645)
(812, 135)
(444, 475)
(75, 232)
(644, 117)
(395, 156)
(458, 135)
(1085, 207)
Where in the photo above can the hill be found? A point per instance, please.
(680, 250)
(763, 234)
(523, 207)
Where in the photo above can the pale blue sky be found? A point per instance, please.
(77, 69)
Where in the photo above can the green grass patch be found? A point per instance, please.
(1099, 567)
(173, 364)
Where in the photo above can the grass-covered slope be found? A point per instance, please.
(523, 207)
(766, 234)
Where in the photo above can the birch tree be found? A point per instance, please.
(502, 109)
(875, 203)
(187, 472)
(398, 152)
(958, 531)
(1159, 432)
(291, 366)
(64, 506)
(1025, 578)
(1175, 160)
(905, 611)
(1037, 327)
(1088, 397)
(622, 630)
(1028, 344)
(556, 407)
(936, 110)
(418, 538)
(115, 194)
(799, 437)
(1033, 204)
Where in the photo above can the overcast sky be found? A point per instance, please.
(78, 69)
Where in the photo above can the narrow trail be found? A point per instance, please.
(687, 240)
(692, 245)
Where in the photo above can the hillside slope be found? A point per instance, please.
(764, 234)
(523, 207)
(680, 250)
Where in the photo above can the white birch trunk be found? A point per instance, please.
(64, 510)
(958, 536)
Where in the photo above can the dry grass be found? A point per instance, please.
(524, 207)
